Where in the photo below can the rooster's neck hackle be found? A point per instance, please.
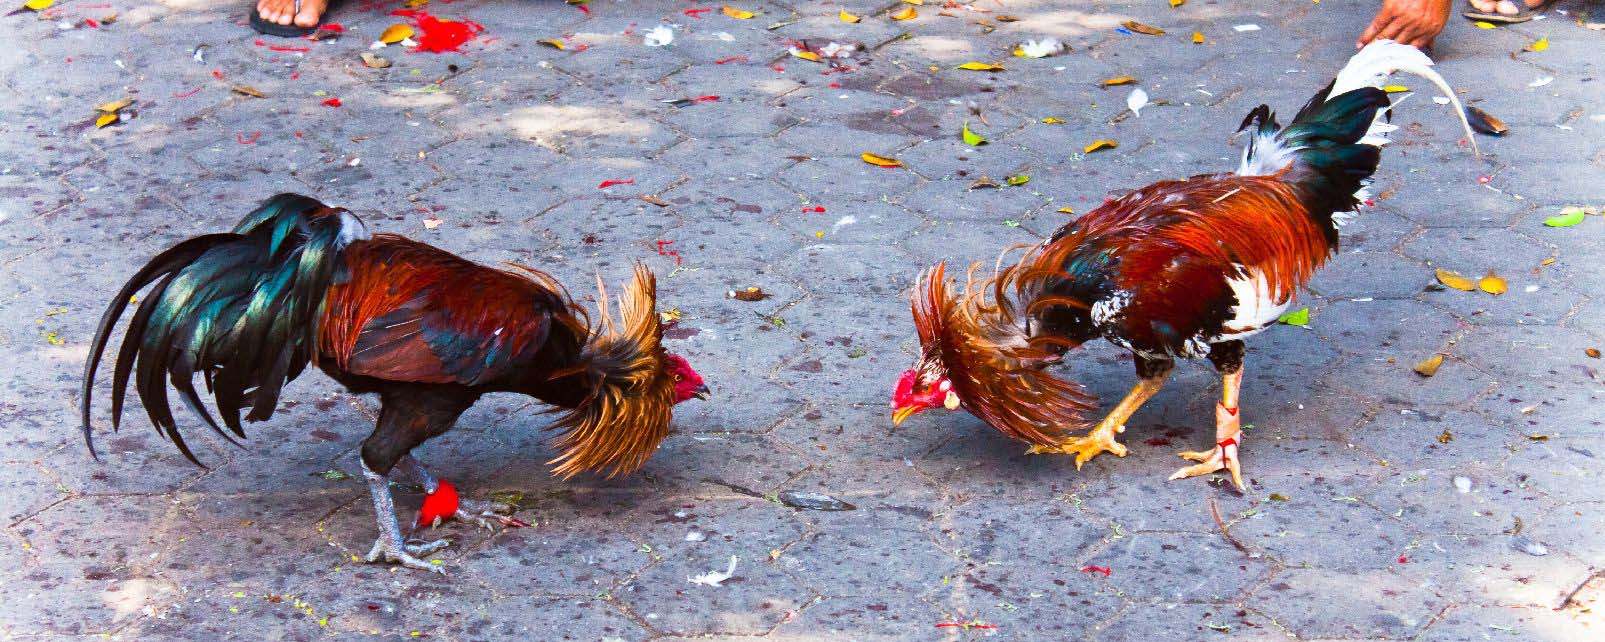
(618, 427)
(996, 368)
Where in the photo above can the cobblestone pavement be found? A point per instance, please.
(1354, 526)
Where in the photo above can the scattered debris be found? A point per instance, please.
(659, 36)
(715, 578)
(803, 500)
(1482, 122)
(1529, 546)
(1462, 483)
(1429, 366)
(753, 293)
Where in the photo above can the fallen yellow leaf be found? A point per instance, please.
(1065, 210)
(880, 161)
(915, 2)
(1493, 284)
(1455, 280)
(106, 119)
(1485, 25)
(1540, 45)
(981, 66)
(1123, 80)
(1394, 89)
(907, 13)
(1177, 3)
(395, 33)
(806, 55)
(737, 13)
(1198, 37)
(38, 5)
(1051, 120)
(555, 44)
(414, 4)
(847, 17)
(249, 91)
(1142, 28)
(1429, 366)
(114, 106)
(1100, 145)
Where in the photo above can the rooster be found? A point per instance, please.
(299, 283)
(1184, 268)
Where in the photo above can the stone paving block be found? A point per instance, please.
(1375, 604)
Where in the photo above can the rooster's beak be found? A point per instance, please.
(905, 412)
(702, 392)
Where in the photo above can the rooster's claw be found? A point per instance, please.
(408, 555)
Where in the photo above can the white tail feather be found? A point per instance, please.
(1372, 67)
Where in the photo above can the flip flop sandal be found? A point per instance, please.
(291, 30)
(1526, 14)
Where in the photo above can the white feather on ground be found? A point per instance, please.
(715, 578)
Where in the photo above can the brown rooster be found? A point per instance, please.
(1176, 269)
(298, 282)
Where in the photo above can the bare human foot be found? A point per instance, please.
(283, 12)
(1504, 7)
(1412, 22)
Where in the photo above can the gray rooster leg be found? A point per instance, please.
(390, 547)
(483, 513)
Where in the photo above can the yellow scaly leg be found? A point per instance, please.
(1102, 437)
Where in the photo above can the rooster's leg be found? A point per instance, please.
(468, 510)
(1101, 438)
(1228, 359)
(390, 547)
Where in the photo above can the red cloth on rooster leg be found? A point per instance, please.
(440, 36)
(440, 504)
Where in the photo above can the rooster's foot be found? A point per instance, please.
(407, 554)
(1085, 448)
(488, 514)
(1222, 456)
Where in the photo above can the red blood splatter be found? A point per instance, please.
(247, 141)
(1403, 559)
(611, 182)
(440, 504)
(1158, 441)
(1370, 203)
(662, 251)
(298, 134)
(728, 60)
(440, 36)
(332, 102)
(295, 75)
(1096, 569)
(187, 94)
(217, 74)
(817, 209)
(779, 68)
(696, 13)
(289, 49)
(704, 99)
(835, 85)
(835, 70)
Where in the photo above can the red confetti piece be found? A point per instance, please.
(91, 23)
(298, 134)
(1370, 203)
(817, 209)
(247, 141)
(779, 68)
(217, 74)
(289, 49)
(835, 85)
(730, 60)
(584, 8)
(1096, 569)
(696, 13)
(332, 102)
(662, 251)
(1484, 180)
(333, 26)
(187, 94)
(1403, 559)
(704, 99)
(609, 183)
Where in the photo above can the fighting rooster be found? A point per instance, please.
(300, 283)
(1176, 269)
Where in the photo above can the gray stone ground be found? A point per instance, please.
(1353, 528)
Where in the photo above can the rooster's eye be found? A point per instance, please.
(676, 377)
